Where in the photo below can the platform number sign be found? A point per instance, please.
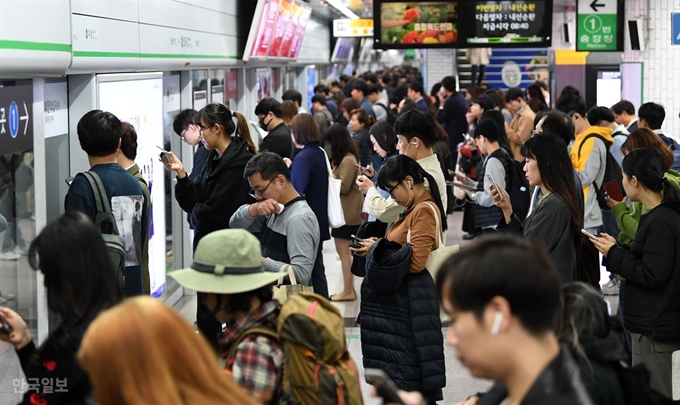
(16, 110)
(599, 26)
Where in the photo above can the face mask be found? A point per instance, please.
(264, 125)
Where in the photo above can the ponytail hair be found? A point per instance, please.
(243, 131)
(646, 164)
(234, 123)
(397, 168)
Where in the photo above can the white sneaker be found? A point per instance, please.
(9, 256)
(611, 288)
(7, 296)
(20, 251)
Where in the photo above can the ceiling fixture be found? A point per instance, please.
(337, 4)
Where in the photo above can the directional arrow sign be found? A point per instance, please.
(25, 118)
(599, 25)
(16, 105)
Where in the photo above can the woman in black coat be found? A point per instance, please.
(72, 257)
(213, 197)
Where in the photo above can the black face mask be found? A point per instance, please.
(264, 125)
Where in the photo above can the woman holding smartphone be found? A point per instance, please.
(212, 198)
(344, 157)
(651, 266)
(556, 220)
(411, 352)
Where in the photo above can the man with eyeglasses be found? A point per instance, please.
(184, 126)
(287, 227)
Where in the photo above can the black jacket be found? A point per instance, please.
(452, 118)
(363, 141)
(218, 192)
(278, 141)
(401, 332)
(652, 272)
(559, 384)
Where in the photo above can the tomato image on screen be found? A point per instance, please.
(419, 23)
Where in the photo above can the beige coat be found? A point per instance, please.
(350, 196)
(479, 56)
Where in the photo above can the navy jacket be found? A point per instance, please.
(309, 175)
(452, 118)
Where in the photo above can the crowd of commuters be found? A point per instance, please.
(552, 191)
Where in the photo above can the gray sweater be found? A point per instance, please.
(289, 238)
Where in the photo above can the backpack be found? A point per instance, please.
(635, 384)
(317, 368)
(106, 223)
(675, 148)
(612, 171)
(391, 115)
(517, 185)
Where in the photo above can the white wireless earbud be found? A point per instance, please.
(497, 321)
(409, 185)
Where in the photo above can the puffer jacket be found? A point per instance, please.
(401, 332)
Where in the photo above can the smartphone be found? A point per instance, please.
(164, 154)
(588, 234)
(614, 191)
(356, 242)
(5, 327)
(495, 186)
(386, 388)
(461, 185)
(69, 180)
(468, 137)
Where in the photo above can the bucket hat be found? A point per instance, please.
(226, 262)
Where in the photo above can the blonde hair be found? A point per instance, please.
(143, 353)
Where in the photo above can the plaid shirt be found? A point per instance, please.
(257, 365)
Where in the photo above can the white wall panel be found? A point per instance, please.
(103, 45)
(316, 43)
(222, 6)
(125, 10)
(176, 14)
(34, 43)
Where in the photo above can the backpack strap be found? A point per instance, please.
(100, 196)
(606, 143)
(260, 330)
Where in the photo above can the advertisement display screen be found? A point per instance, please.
(517, 22)
(343, 50)
(400, 24)
(305, 15)
(140, 102)
(265, 29)
(282, 20)
(290, 30)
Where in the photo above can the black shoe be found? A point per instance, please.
(470, 236)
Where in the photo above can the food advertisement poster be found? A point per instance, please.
(426, 23)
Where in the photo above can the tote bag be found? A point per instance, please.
(441, 252)
(283, 292)
(336, 217)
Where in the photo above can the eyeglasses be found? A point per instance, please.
(393, 188)
(258, 194)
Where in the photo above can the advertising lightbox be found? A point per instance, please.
(138, 99)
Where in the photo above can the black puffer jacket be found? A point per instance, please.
(652, 272)
(213, 197)
(401, 332)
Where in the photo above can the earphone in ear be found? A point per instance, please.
(409, 185)
(497, 321)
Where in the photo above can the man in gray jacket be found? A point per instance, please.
(287, 227)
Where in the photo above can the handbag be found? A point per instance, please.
(283, 292)
(336, 217)
(441, 252)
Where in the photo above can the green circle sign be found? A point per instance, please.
(592, 24)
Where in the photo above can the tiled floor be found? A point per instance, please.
(459, 382)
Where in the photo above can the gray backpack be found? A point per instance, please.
(105, 221)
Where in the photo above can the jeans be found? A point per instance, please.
(619, 314)
(477, 79)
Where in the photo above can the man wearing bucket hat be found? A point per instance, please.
(227, 269)
(288, 228)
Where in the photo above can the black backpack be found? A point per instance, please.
(517, 185)
(612, 171)
(635, 384)
(106, 223)
(391, 115)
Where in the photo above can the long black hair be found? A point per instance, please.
(395, 170)
(557, 173)
(216, 113)
(646, 164)
(79, 277)
(498, 118)
(341, 143)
